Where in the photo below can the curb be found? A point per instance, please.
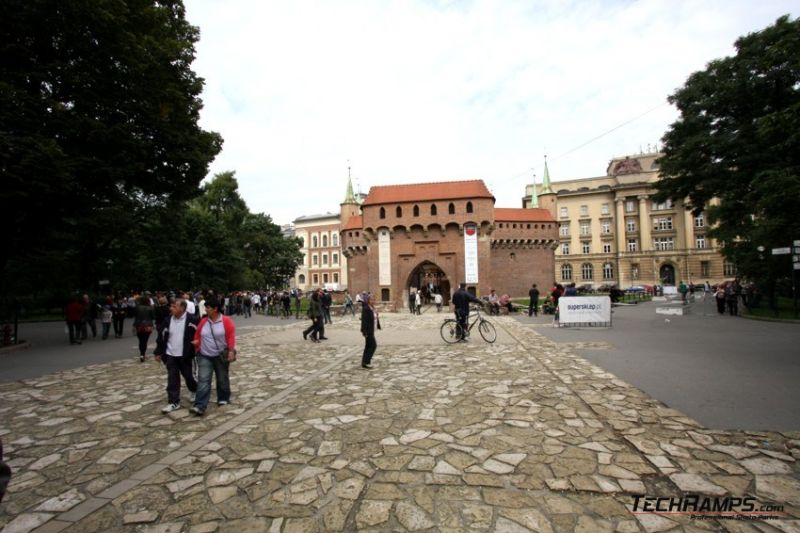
(23, 345)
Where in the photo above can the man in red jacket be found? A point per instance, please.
(74, 317)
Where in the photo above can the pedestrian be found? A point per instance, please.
(107, 316)
(89, 320)
(73, 314)
(370, 322)
(418, 303)
(505, 301)
(248, 305)
(348, 304)
(533, 304)
(162, 312)
(326, 300)
(174, 347)
(143, 324)
(437, 299)
(683, 290)
(215, 346)
(494, 303)
(298, 297)
(120, 310)
(461, 300)
(317, 327)
(719, 296)
(732, 298)
(412, 301)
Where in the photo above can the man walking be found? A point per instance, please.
(533, 305)
(174, 347)
(327, 300)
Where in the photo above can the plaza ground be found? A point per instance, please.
(522, 435)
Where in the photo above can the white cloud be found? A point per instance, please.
(439, 91)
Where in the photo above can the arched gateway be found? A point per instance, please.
(428, 278)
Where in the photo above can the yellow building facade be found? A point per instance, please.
(612, 232)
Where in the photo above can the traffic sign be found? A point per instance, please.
(782, 251)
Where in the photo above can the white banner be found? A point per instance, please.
(470, 253)
(384, 258)
(584, 309)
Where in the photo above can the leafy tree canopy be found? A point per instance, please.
(99, 114)
(737, 142)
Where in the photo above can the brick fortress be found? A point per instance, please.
(431, 236)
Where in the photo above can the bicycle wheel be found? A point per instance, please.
(450, 331)
(487, 331)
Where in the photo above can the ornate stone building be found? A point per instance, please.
(323, 264)
(612, 232)
(436, 235)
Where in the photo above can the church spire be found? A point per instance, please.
(546, 189)
(349, 197)
(534, 196)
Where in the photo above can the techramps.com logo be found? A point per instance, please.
(708, 507)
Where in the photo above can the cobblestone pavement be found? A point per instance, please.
(520, 435)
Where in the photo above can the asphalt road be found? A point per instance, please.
(726, 372)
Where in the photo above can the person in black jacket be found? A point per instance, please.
(461, 300)
(174, 346)
(369, 323)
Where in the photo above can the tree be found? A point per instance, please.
(99, 114)
(737, 142)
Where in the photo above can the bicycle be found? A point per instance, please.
(451, 329)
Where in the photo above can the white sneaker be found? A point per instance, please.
(170, 407)
(192, 397)
(222, 402)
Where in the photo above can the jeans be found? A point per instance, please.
(88, 324)
(533, 308)
(106, 328)
(462, 319)
(74, 328)
(143, 338)
(177, 366)
(119, 325)
(205, 366)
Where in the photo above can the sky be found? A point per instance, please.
(436, 90)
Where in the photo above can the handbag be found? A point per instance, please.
(225, 354)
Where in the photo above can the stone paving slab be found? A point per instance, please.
(520, 435)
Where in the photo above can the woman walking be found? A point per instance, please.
(369, 324)
(143, 324)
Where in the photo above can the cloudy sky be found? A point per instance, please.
(437, 90)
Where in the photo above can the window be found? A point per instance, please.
(564, 248)
(314, 241)
(584, 210)
(586, 246)
(324, 259)
(566, 272)
(324, 241)
(335, 239)
(630, 206)
(314, 259)
(700, 221)
(608, 271)
(662, 206)
(662, 223)
(451, 209)
(512, 256)
(563, 229)
(336, 277)
(301, 279)
(586, 228)
(469, 207)
(316, 279)
(416, 210)
(398, 212)
(605, 227)
(630, 224)
(704, 269)
(635, 271)
(563, 212)
(606, 248)
(700, 242)
(587, 272)
(385, 295)
(433, 209)
(382, 213)
(663, 243)
(728, 268)
(325, 278)
(604, 209)
(335, 259)
(632, 245)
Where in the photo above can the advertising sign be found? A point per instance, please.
(384, 258)
(471, 253)
(584, 310)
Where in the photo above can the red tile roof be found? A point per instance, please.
(422, 192)
(504, 214)
(355, 222)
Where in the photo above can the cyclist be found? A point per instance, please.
(461, 301)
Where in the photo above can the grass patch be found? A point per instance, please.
(785, 310)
